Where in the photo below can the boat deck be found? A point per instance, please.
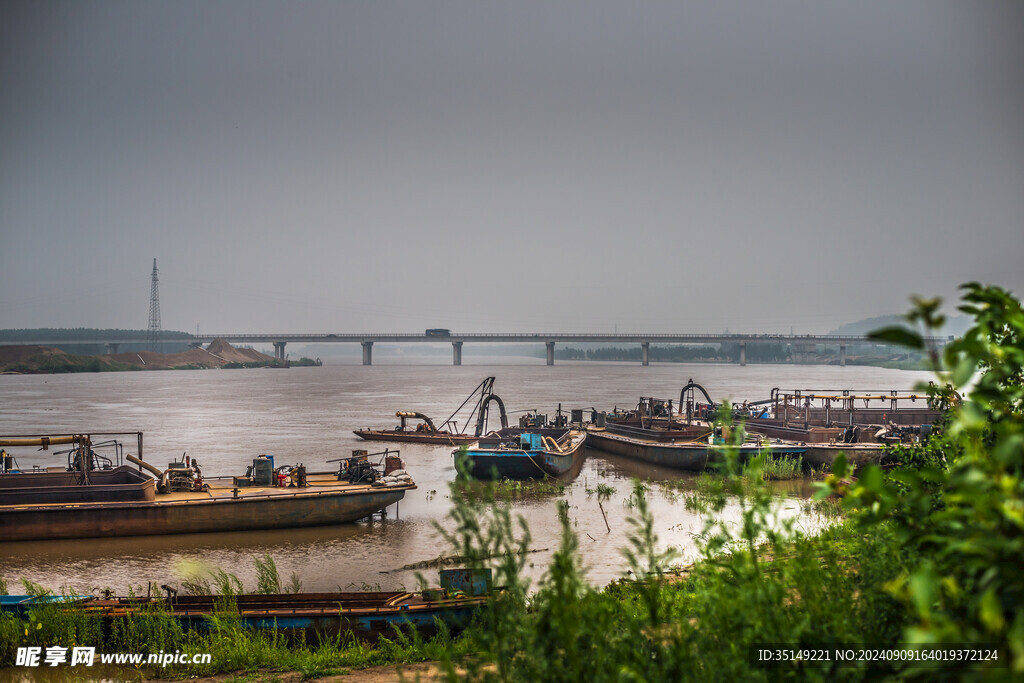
(221, 507)
(222, 489)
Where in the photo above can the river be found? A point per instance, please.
(224, 418)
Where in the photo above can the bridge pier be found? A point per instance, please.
(743, 353)
(551, 352)
(842, 355)
(367, 352)
(644, 355)
(279, 350)
(112, 348)
(457, 353)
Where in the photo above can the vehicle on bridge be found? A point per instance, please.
(439, 332)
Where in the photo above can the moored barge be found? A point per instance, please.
(694, 456)
(90, 500)
(425, 431)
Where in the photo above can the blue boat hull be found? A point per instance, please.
(368, 615)
(489, 463)
(516, 466)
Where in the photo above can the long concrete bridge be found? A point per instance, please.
(804, 343)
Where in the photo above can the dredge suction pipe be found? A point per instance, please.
(142, 463)
(162, 478)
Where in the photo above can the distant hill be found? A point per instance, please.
(956, 325)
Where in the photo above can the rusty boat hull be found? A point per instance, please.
(444, 438)
(221, 508)
(692, 456)
(822, 455)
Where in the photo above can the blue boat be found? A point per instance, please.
(21, 604)
(517, 453)
(365, 614)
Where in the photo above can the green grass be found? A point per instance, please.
(152, 628)
(232, 648)
(781, 468)
(510, 489)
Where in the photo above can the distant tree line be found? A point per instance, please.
(86, 333)
(679, 354)
(169, 341)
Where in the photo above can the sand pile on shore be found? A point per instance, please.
(217, 354)
(229, 353)
(33, 359)
(9, 355)
(45, 359)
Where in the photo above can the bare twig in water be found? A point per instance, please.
(603, 514)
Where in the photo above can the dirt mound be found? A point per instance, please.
(151, 360)
(217, 354)
(253, 355)
(10, 355)
(45, 359)
(221, 349)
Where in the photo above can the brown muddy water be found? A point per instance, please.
(224, 418)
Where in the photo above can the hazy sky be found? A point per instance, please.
(514, 166)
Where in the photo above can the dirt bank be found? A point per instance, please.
(43, 359)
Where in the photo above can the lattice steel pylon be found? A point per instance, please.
(154, 307)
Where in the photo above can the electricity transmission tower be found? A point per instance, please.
(154, 308)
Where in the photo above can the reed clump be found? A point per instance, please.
(508, 489)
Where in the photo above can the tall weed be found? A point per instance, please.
(268, 581)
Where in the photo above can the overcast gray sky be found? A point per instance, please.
(515, 166)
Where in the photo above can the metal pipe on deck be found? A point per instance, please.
(145, 465)
(45, 441)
